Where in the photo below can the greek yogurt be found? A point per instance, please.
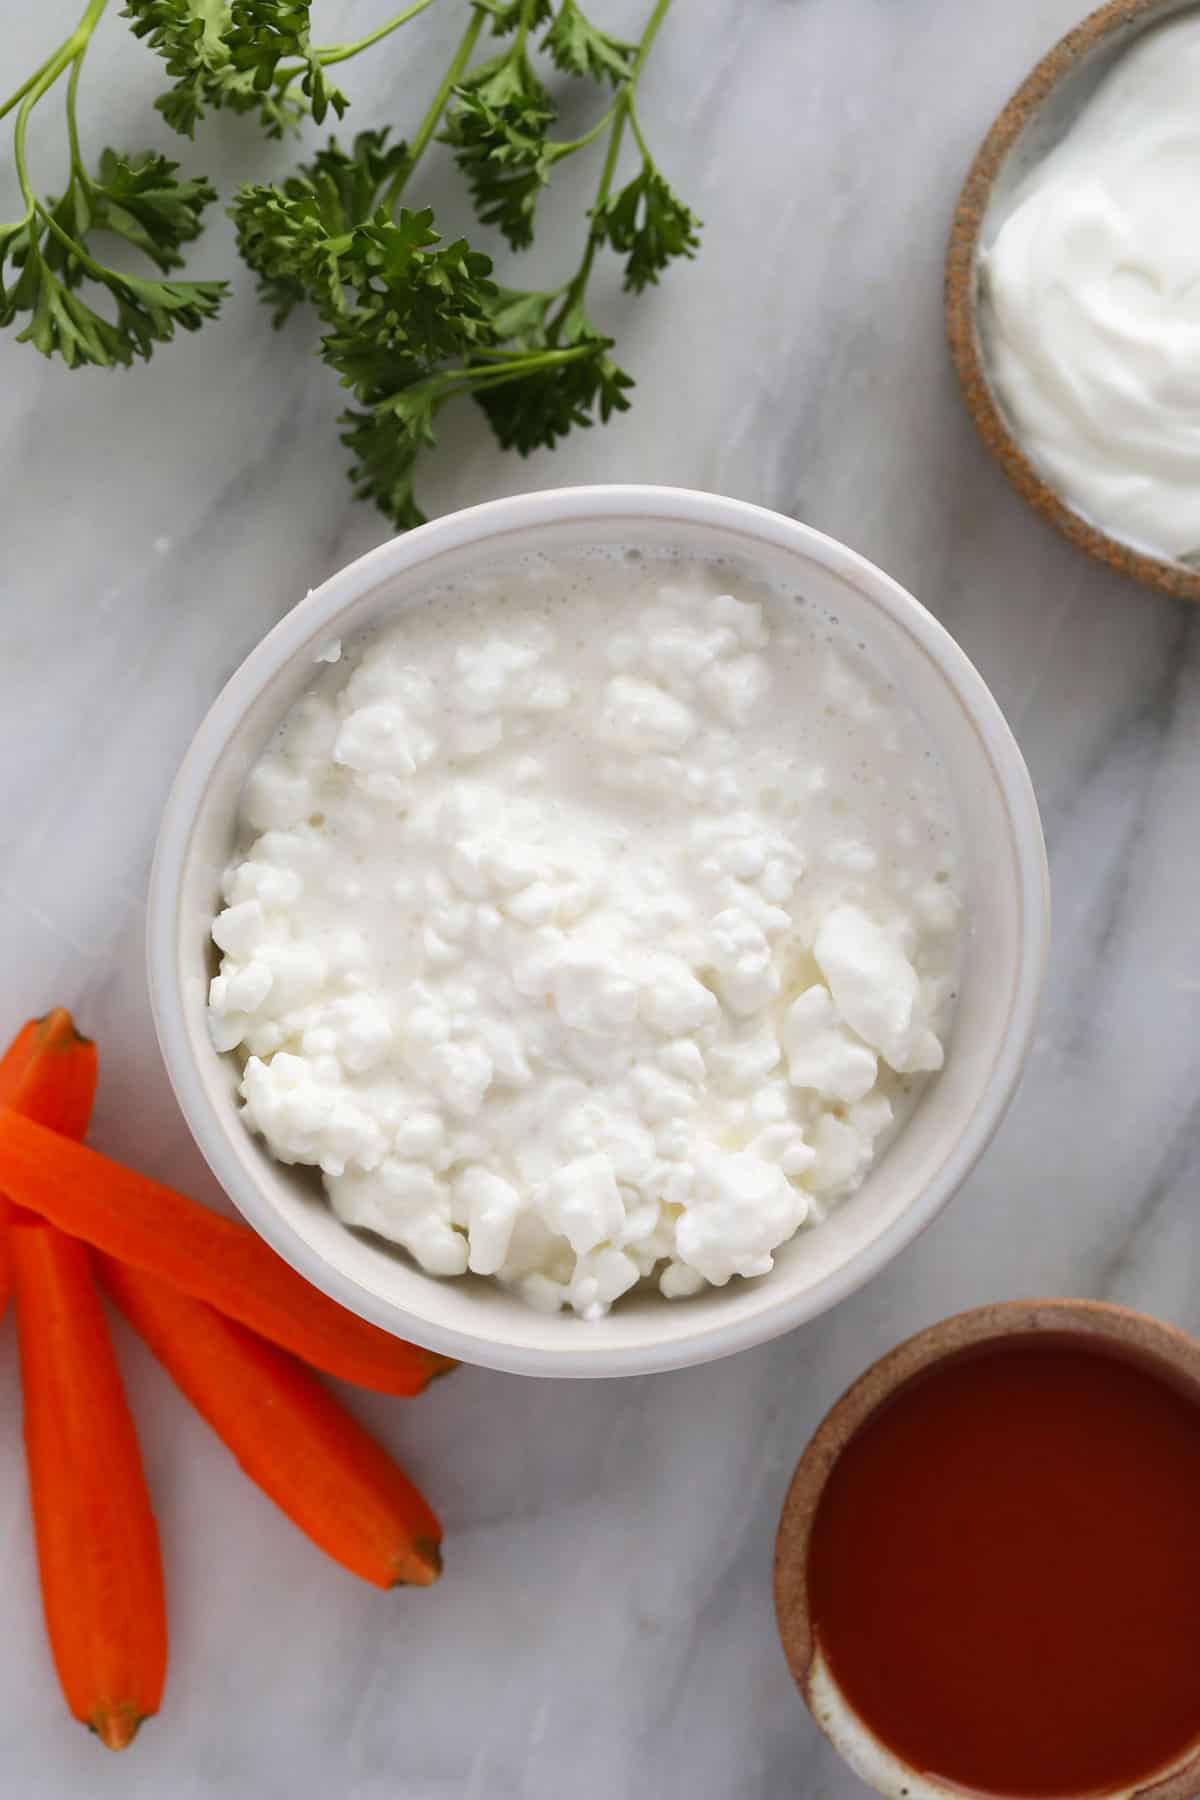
(591, 927)
(1091, 301)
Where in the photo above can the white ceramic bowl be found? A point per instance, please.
(471, 1318)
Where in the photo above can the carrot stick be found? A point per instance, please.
(48, 1073)
(97, 1543)
(16, 1058)
(289, 1434)
(151, 1227)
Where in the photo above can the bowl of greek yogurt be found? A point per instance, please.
(1071, 290)
(595, 932)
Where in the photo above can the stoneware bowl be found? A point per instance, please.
(474, 1319)
(1041, 110)
(1142, 1337)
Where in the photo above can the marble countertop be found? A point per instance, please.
(604, 1627)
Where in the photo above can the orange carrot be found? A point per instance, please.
(151, 1227)
(97, 1543)
(289, 1434)
(16, 1058)
(48, 1073)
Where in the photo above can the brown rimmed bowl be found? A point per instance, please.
(1043, 107)
(1160, 1346)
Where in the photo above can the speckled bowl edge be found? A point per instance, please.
(1137, 1332)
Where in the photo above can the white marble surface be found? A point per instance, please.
(604, 1627)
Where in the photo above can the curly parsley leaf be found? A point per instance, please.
(580, 48)
(562, 385)
(532, 396)
(647, 223)
(414, 301)
(507, 15)
(232, 53)
(47, 282)
(503, 153)
(497, 124)
(387, 286)
(290, 235)
(404, 310)
(519, 317)
(50, 268)
(144, 200)
(384, 466)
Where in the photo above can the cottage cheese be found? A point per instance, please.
(591, 928)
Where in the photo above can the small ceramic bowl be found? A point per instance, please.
(474, 1319)
(1148, 1339)
(1035, 118)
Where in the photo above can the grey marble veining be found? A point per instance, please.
(604, 1627)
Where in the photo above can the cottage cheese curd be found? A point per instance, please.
(591, 927)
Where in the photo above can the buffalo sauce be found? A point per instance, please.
(1004, 1570)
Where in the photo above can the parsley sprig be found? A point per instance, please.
(50, 265)
(247, 56)
(411, 321)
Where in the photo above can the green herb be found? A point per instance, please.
(579, 48)
(409, 320)
(412, 322)
(249, 56)
(50, 267)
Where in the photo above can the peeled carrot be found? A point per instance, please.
(289, 1434)
(151, 1227)
(49, 1072)
(98, 1556)
(97, 1542)
(16, 1058)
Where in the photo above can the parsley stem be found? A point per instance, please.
(67, 53)
(568, 146)
(528, 9)
(77, 168)
(429, 123)
(578, 282)
(520, 365)
(77, 250)
(40, 84)
(14, 99)
(636, 128)
(620, 111)
(648, 36)
(336, 53)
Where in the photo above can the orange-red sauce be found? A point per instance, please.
(1004, 1571)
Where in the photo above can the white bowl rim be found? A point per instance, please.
(319, 611)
